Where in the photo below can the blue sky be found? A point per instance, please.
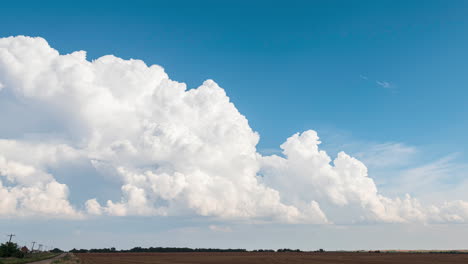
(383, 81)
(298, 64)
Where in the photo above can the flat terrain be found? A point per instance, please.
(273, 258)
(39, 258)
(47, 261)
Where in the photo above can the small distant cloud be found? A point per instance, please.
(217, 228)
(384, 84)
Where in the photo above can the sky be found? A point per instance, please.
(300, 124)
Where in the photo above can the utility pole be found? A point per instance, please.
(10, 235)
(32, 248)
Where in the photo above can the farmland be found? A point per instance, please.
(269, 257)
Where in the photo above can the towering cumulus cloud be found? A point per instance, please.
(174, 151)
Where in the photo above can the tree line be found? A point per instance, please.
(12, 250)
(155, 249)
(178, 249)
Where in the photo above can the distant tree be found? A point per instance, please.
(56, 250)
(288, 250)
(263, 250)
(79, 250)
(10, 249)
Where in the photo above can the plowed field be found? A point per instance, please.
(273, 258)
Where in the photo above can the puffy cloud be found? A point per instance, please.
(35, 193)
(30, 189)
(174, 151)
(457, 210)
(306, 173)
(93, 207)
(38, 154)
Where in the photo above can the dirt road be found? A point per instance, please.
(48, 261)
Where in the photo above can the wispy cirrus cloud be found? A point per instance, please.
(381, 83)
(441, 176)
(400, 168)
(384, 84)
(385, 155)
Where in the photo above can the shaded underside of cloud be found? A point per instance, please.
(175, 151)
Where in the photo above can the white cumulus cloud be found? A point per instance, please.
(175, 151)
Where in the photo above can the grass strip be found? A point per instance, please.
(68, 259)
(28, 259)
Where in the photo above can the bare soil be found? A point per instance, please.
(271, 258)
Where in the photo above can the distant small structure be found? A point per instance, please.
(25, 250)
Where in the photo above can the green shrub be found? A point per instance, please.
(19, 254)
(9, 249)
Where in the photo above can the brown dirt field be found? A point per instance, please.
(270, 258)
